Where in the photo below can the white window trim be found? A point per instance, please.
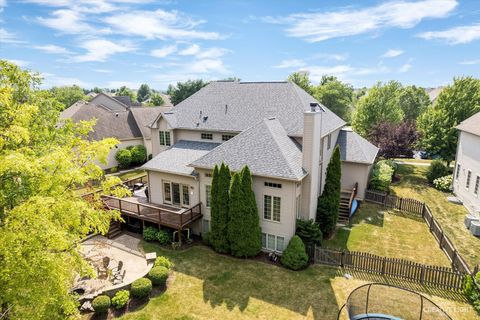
(208, 206)
(457, 171)
(182, 204)
(467, 180)
(476, 187)
(276, 242)
(263, 208)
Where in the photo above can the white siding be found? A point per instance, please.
(355, 172)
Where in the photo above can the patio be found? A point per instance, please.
(118, 263)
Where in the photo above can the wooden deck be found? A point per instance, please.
(136, 207)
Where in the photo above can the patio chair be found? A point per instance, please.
(118, 268)
(106, 262)
(119, 277)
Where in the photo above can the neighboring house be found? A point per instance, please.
(281, 132)
(118, 118)
(433, 93)
(466, 179)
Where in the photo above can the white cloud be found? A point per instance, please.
(101, 49)
(320, 26)
(8, 37)
(163, 52)
(158, 24)
(52, 80)
(331, 56)
(470, 62)
(290, 63)
(102, 70)
(67, 21)
(18, 62)
(405, 68)
(190, 51)
(212, 53)
(128, 84)
(343, 71)
(207, 66)
(53, 49)
(90, 6)
(456, 35)
(392, 53)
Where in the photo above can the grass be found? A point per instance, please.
(206, 285)
(413, 184)
(413, 160)
(123, 176)
(391, 234)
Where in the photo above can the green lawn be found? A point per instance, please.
(131, 174)
(413, 184)
(391, 234)
(206, 285)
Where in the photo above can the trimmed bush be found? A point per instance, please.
(309, 231)
(443, 183)
(120, 299)
(436, 170)
(113, 169)
(381, 176)
(472, 292)
(295, 257)
(163, 237)
(101, 304)
(150, 233)
(158, 275)
(124, 158)
(138, 154)
(141, 288)
(163, 262)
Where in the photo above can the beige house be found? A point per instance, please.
(281, 132)
(116, 117)
(466, 179)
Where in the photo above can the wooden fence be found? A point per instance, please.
(422, 210)
(435, 276)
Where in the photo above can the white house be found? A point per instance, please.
(281, 132)
(466, 180)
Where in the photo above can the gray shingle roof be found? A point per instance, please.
(235, 106)
(144, 116)
(354, 148)
(264, 147)
(177, 158)
(471, 125)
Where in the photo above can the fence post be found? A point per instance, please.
(383, 265)
(453, 259)
(341, 258)
(401, 203)
(422, 275)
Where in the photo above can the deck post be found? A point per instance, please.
(179, 236)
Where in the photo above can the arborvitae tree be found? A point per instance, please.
(329, 201)
(244, 231)
(219, 209)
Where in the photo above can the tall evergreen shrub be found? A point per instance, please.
(219, 211)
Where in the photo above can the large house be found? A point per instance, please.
(466, 180)
(116, 117)
(283, 134)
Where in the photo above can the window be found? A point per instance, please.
(273, 185)
(167, 192)
(298, 205)
(205, 225)
(477, 183)
(206, 136)
(226, 137)
(458, 171)
(329, 141)
(186, 196)
(469, 175)
(208, 195)
(164, 138)
(208, 174)
(272, 242)
(271, 208)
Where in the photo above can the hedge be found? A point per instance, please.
(141, 288)
(101, 304)
(158, 275)
(150, 233)
(295, 257)
(120, 299)
(163, 262)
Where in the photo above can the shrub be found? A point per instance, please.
(443, 183)
(113, 169)
(295, 257)
(206, 238)
(381, 176)
(163, 237)
(436, 170)
(158, 275)
(124, 158)
(138, 154)
(150, 233)
(141, 288)
(472, 292)
(163, 262)
(309, 231)
(101, 304)
(120, 299)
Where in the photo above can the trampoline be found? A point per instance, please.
(378, 301)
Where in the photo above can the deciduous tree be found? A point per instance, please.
(143, 92)
(394, 140)
(413, 101)
(335, 95)
(183, 90)
(124, 91)
(302, 80)
(68, 95)
(156, 100)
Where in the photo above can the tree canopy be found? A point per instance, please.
(42, 216)
(183, 90)
(143, 93)
(156, 99)
(124, 91)
(335, 95)
(394, 140)
(68, 95)
(413, 101)
(302, 80)
(454, 104)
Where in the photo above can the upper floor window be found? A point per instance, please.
(208, 174)
(469, 175)
(458, 171)
(273, 185)
(329, 141)
(165, 138)
(206, 136)
(477, 183)
(271, 208)
(208, 195)
(226, 137)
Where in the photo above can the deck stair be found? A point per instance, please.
(346, 199)
(114, 230)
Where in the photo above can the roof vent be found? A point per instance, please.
(116, 114)
(313, 106)
(205, 118)
(226, 108)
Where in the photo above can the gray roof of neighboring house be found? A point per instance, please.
(117, 124)
(235, 106)
(354, 148)
(265, 148)
(126, 100)
(144, 116)
(471, 125)
(433, 93)
(177, 158)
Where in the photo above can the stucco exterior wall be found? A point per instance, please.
(355, 172)
(155, 138)
(155, 186)
(468, 157)
(326, 154)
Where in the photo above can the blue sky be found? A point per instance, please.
(109, 43)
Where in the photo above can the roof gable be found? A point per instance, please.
(109, 102)
(471, 125)
(354, 148)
